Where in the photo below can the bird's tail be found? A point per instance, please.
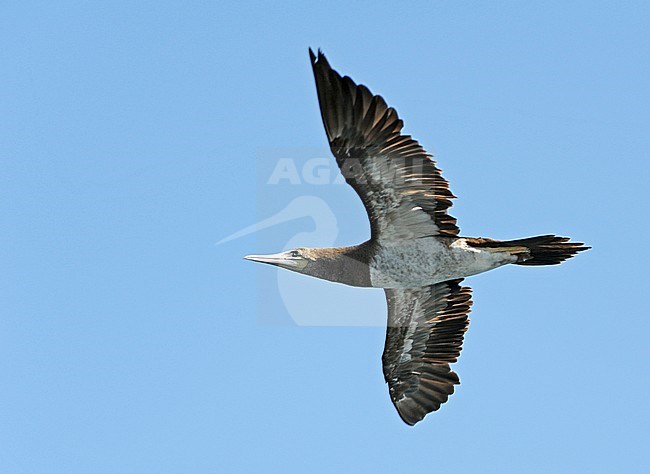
(541, 250)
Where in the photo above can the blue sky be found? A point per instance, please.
(135, 136)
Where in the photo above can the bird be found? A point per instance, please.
(415, 252)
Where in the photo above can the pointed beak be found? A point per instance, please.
(273, 259)
(283, 259)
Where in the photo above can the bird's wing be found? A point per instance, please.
(401, 188)
(425, 334)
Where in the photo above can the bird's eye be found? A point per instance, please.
(295, 253)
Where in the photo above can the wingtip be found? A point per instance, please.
(318, 57)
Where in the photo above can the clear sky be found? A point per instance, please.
(134, 136)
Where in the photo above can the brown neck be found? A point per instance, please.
(347, 265)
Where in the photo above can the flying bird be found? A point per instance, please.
(415, 252)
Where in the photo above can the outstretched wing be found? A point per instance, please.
(425, 334)
(402, 190)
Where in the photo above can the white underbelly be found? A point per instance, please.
(426, 261)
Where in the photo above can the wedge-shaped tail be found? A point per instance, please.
(542, 250)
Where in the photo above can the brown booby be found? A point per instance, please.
(415, 252)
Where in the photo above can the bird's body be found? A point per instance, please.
(415, 252)
(430, 260)
(403, 264)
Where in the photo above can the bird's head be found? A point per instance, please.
(295, 260)
(341, 264)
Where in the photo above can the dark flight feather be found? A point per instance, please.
(426, 327)
(400, 185)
